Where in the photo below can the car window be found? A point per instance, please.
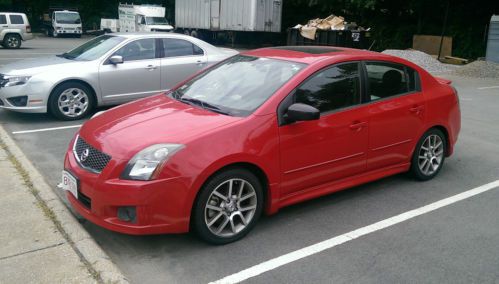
(388, 79)
(16, 19)
(3, 20)
(138, 50)
(331, 89)
(179, 47)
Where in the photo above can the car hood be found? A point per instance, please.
(33, 66)
(125, 130)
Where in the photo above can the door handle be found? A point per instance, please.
(200, 63)
(417, 109)
(357, 125)
(151, 67)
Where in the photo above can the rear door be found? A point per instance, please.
(333, 147)
(138, 76)
(180, 59)
(397, 113)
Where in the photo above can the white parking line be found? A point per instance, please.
(46, 129)
(486, 88)
(17, 58)
(338, 240)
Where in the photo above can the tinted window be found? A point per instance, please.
(16, 19)
(334, 88)
(3, 20)
(178, 47)
(138, 50)
(386, 80)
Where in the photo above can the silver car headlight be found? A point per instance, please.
(146, 164)
(9, 81)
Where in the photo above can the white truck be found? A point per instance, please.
(59, 22)
(209, 19)
(142, 18)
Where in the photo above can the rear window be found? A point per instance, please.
(3, 20)
(179, 47)
(16, 19)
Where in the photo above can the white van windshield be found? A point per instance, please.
(67, 18)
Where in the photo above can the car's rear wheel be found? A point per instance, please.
(429, 155)
(12, 41)
(228, 206)
(71, 101)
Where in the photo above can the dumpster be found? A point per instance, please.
(493, 40)
(344, 38)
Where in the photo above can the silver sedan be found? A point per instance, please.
(107, 70)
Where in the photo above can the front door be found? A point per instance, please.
(138, 76)
(333, 147)
(397, 113)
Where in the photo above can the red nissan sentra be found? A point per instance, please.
(259, 131)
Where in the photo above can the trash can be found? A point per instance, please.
(344, 38)
(493, 40)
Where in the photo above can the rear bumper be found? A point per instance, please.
(27, 36)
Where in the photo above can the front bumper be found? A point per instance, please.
(160, 204)
(37, 98)
(68, 32)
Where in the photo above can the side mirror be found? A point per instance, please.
(116, 59)
(302, 112)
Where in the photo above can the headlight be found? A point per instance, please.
(9, 81)
(147, 163)
(58, 28)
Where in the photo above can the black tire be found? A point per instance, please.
(199, 223)
(59, 91)
(12, 41)
(420, 152)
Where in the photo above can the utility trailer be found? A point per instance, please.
(214, 19)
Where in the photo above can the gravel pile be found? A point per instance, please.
(422, 59)
(479, 69)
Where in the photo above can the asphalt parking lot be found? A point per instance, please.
(457, 243)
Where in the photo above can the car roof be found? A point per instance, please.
(312, 54)
(150, 34)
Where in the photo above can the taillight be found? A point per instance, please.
(28, 29)
(456, 94)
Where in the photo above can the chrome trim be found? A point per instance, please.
(78, 158)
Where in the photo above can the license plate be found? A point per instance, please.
(69, 183)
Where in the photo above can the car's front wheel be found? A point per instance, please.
(12, 41)
(429, 155)
(228, 206)
(71, 101)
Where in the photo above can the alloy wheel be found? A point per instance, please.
(431, 155)
(230, 207)
(12, 42)
(73, 102)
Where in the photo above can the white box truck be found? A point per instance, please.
(142, 18)
(62, 21)
(208, 18)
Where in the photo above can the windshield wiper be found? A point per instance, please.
(205, 105)
(66, 55)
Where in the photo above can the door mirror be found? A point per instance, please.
(116, 59)
(302, 112)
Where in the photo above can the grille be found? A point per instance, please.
(90, 158)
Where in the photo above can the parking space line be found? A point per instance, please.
(338, 240)
(46, 129)
(486, 88)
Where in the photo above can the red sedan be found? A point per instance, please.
(259, 131)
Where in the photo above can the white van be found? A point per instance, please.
(14, 28)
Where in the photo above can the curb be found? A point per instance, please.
(91, 254)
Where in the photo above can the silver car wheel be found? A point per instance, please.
(431, 155)
(230, 207)
(12, 42)
(73, 102)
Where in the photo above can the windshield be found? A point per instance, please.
(156, 21)
(93, 49)
(237, 86)
(67, 18)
